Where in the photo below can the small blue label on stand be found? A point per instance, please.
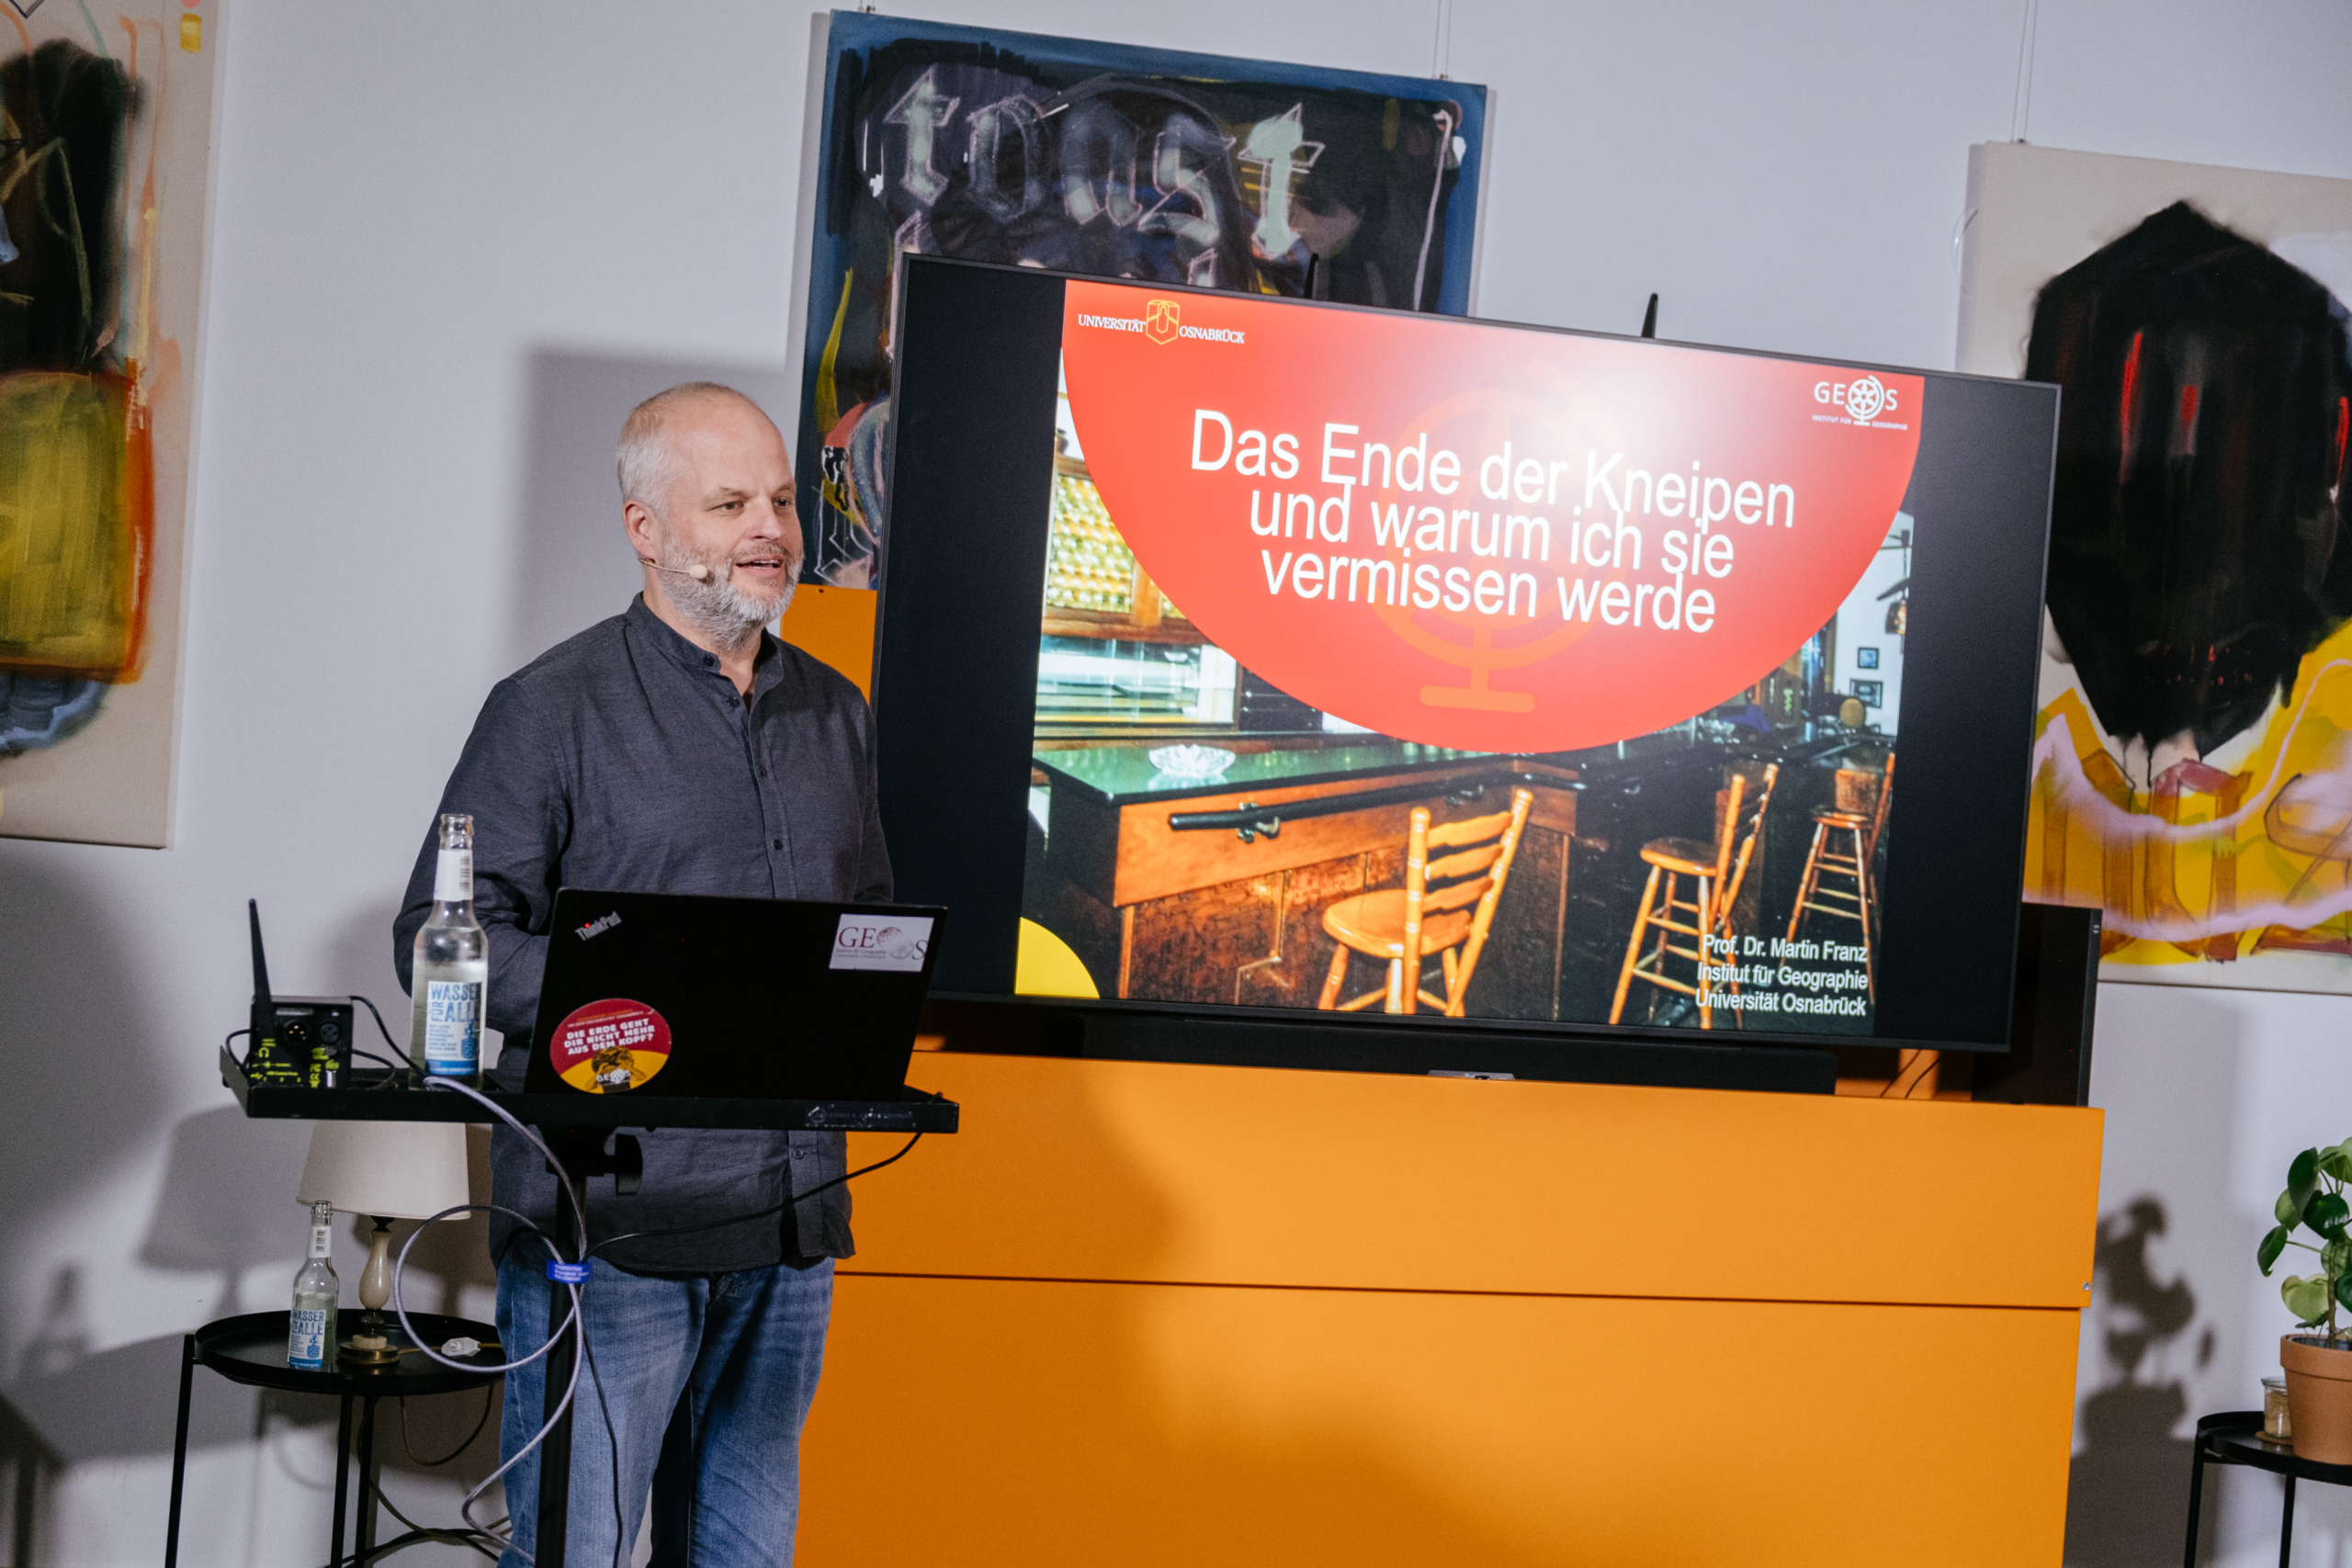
(564, 1273)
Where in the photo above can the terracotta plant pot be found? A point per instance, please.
(2319, 1397)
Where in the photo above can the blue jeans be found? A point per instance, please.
(708, 1378)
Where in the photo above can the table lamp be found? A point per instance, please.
(385, 1170)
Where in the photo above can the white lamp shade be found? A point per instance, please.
(400, 1170)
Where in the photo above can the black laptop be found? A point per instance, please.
(677, 996)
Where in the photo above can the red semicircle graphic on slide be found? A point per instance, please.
(1479, 538)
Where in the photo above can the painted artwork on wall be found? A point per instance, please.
(2193, 771)
(1112, 160)
(106, 122)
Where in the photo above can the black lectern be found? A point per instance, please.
(576, 1128)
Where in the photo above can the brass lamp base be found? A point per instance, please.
(371, 1348)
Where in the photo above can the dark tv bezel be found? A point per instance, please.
(1988, 683)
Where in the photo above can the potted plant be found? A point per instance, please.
(2318, 1366)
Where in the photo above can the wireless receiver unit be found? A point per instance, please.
(296, 1040)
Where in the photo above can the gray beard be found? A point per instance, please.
(719, 610)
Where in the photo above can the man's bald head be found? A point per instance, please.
(706, 504)
(649, 458)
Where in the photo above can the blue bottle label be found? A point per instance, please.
(306, 1338)
(452, 1027)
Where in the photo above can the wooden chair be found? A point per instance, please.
(1750, 834)
(1711, 864)
(1433, 913)
(1851, 865)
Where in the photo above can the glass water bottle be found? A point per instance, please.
(451, 970)
(309, 1333)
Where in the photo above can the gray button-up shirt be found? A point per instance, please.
(626, 759)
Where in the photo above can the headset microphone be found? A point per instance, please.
(699, 573)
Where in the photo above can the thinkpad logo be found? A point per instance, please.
(599, 926)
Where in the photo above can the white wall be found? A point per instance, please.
(449, 234)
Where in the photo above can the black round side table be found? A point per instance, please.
(2234, 1436)
(251, 1349)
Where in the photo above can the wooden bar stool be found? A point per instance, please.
(1402, 926)
(1751, 834)
(1710, 865)
(1853, 865)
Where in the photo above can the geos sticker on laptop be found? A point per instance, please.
(610, 1046)
(881, 942)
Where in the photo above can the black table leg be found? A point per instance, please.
(364, 1528)
(342, 1477)
(179, 1451)
(27, 1495)
(555, 1454)
(2196, 1498)
(2286, 1524)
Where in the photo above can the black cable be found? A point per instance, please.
(572, 1321)
(435, 1463)
(761, 1214)
(588, 1356)
(419, 1534)
(390, 1044)
(576, 1321)
(416, 1536)
(248, 1056)
(390, 1080)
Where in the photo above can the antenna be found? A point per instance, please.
(261, 964)
(1649, 319)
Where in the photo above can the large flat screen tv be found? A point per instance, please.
(1270, 659)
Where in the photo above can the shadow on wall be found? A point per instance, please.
(227, 1207)
(2127, 1497)
(571, 567)
(84, 1092)
(28, 1462)
(228, 1203)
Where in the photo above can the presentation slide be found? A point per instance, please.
(1390, 664)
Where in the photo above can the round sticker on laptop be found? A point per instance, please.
(611, 1046)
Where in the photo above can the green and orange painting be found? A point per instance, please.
(105, 142)
(76, 470)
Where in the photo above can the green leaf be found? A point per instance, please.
(2337, 1161)
(2335, 1258)
(2344, 1288)
(2287, 1211)
(2306, 1297)
(2328, 1213)
(2272, 1245)
(2302, 1179)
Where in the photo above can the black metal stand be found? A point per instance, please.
(373, 1095)
(251, 1349)
(577, 1128)
(2234, 1436)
